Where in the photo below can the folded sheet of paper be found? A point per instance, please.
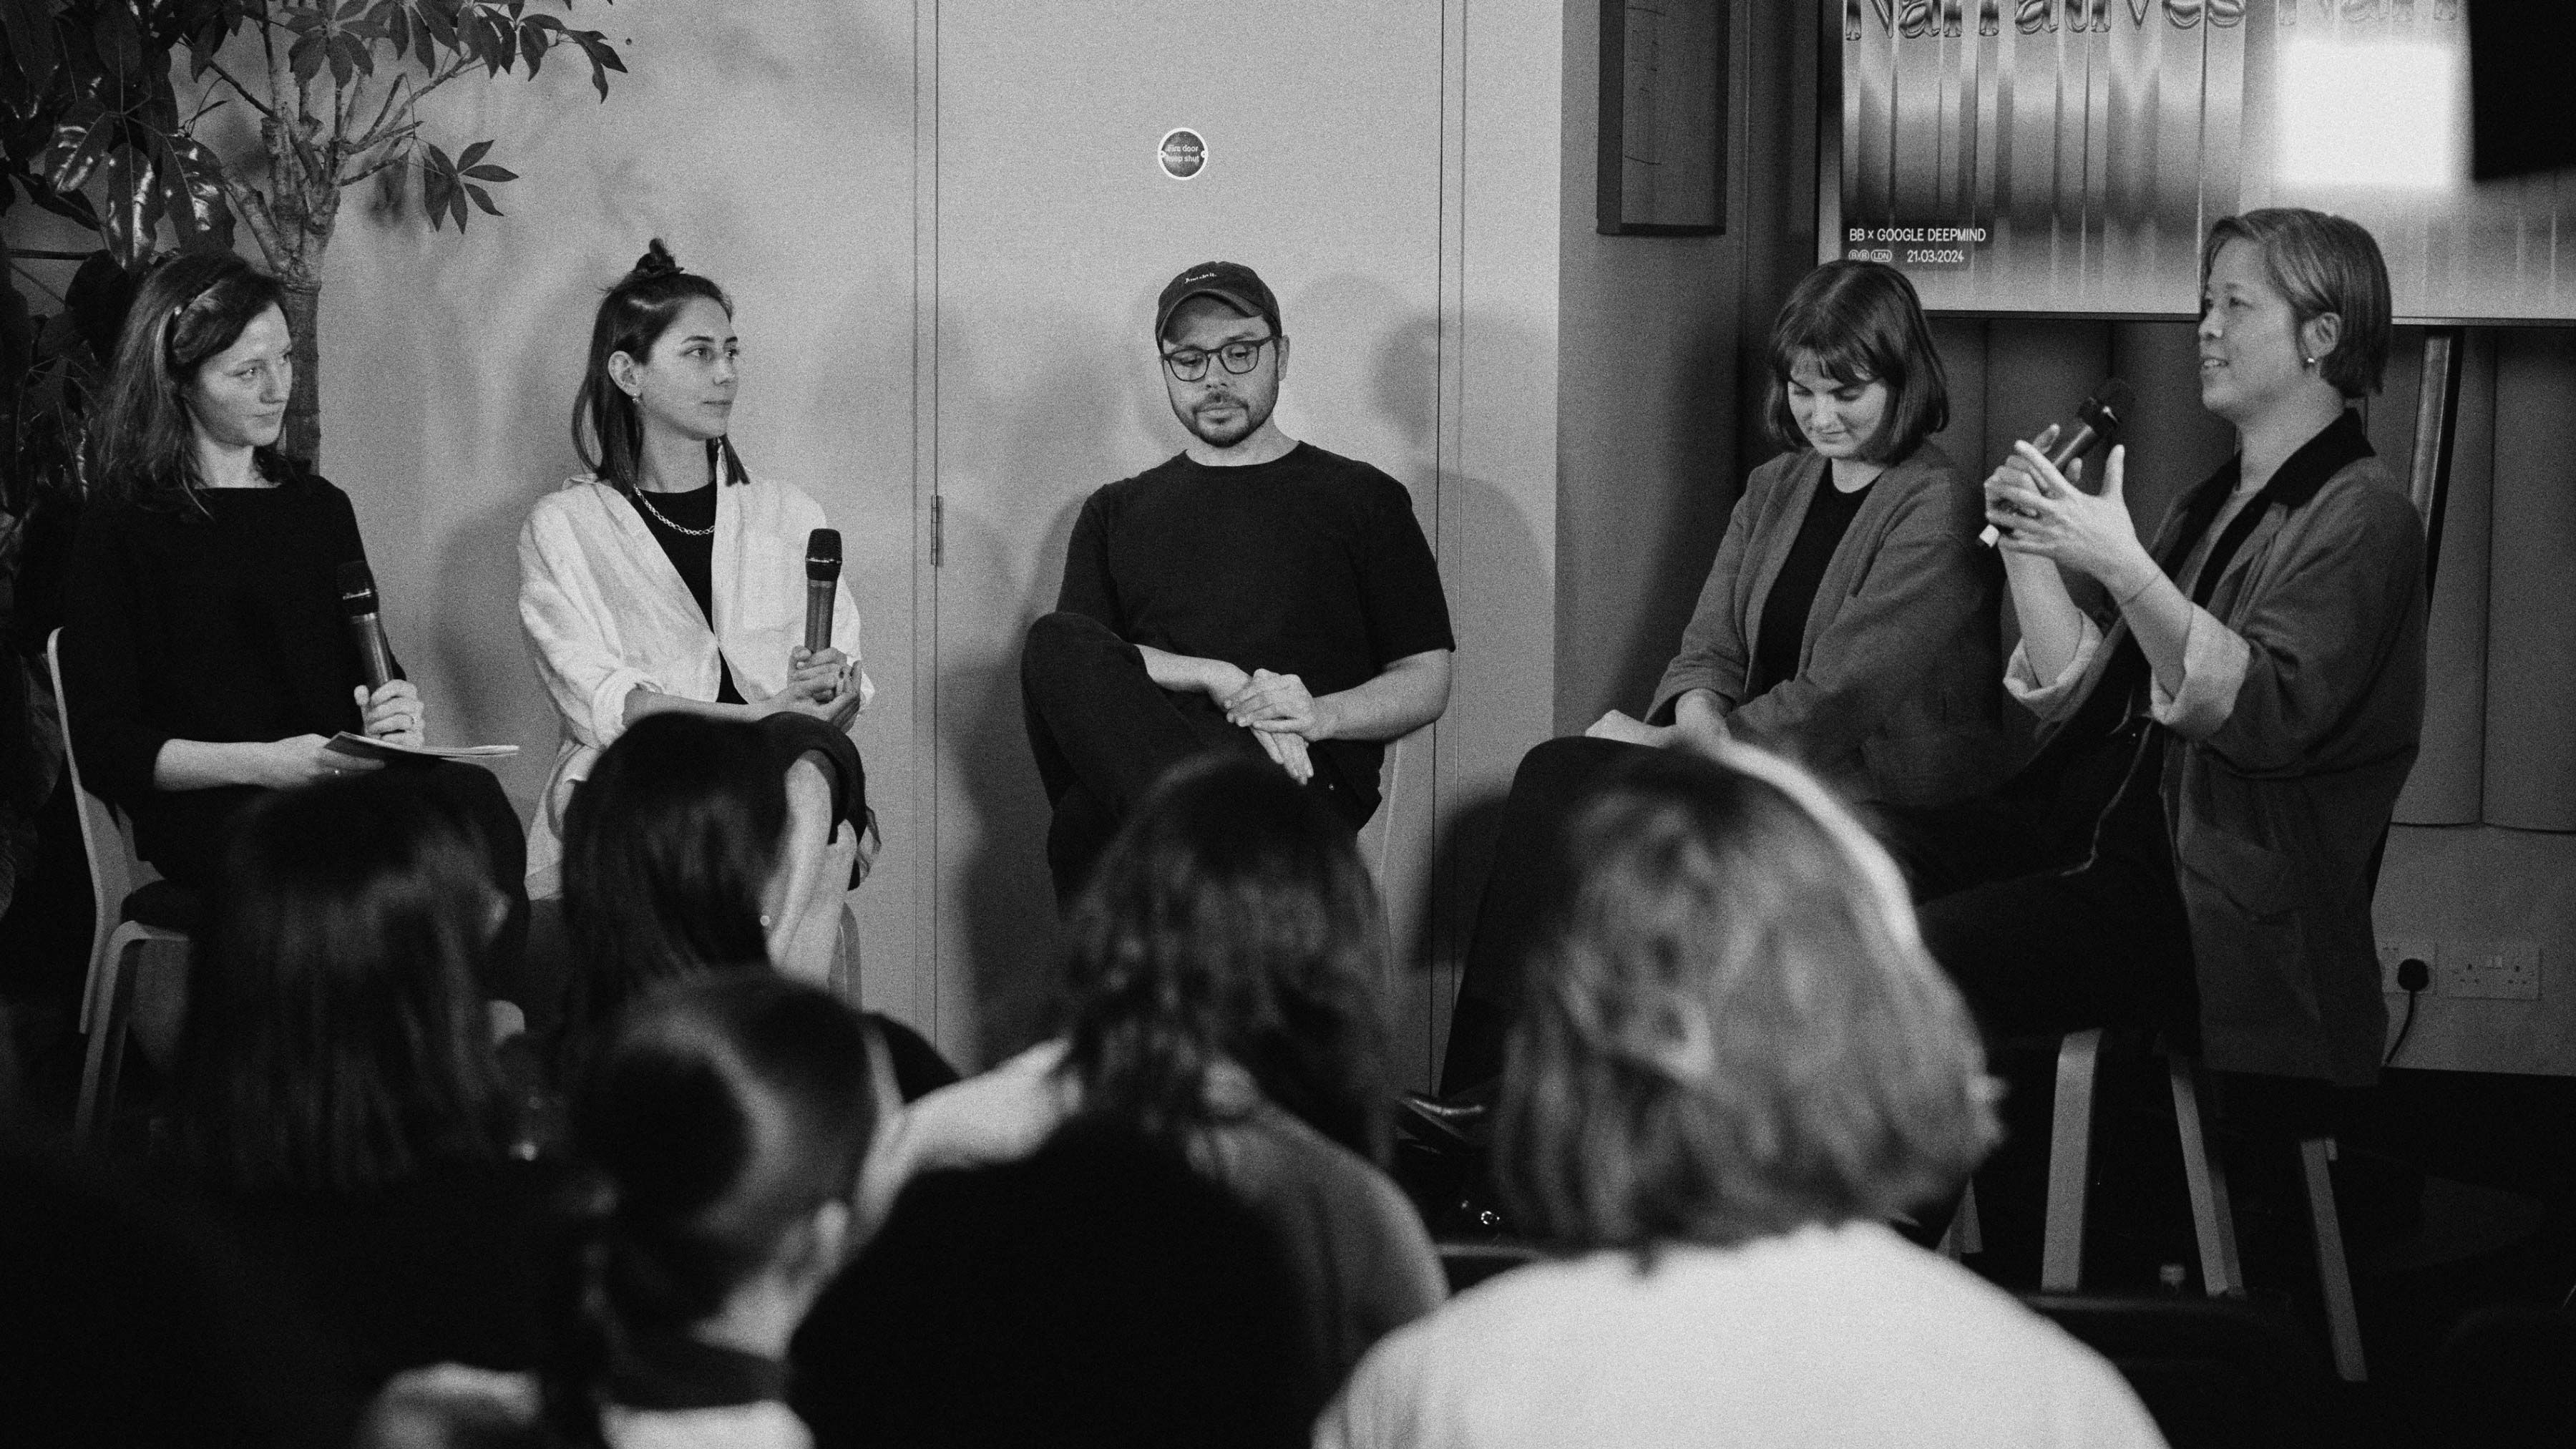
(372, 749)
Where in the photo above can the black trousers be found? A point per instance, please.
(2051, 903)
(189, 832)
(1103, 733)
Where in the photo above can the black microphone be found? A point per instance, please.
(822, 572)
(366, 626)
(2098, 419)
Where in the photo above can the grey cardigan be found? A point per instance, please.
(2295, 724)
(1895, 697)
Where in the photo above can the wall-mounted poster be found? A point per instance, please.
(2065, 156)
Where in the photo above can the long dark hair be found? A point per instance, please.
(1231, 920)
(668, 847)
(187, 310)
(607, 431)
(336, 1038)
(720, 1114)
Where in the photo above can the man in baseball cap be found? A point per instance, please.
(1251, 593)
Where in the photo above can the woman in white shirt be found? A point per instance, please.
(1738, 1062)
(668, 577)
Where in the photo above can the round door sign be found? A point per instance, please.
(1183, 153)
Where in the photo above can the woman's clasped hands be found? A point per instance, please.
(2040, 512)
(823, 683)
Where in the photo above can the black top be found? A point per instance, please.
(1099, 1291)
(449, 1265)
(224, 626)
(1793, 590)
(694, 555)
(1311, 564)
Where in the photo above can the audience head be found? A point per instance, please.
(1857, 327)
(662, 356)
(719, 1133)
(2325, 278)
(1230, 922)
(1735, 1030)
(1224, 352)
(203, 354)
(336, 1036)
(670, 850)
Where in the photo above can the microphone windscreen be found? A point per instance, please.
(2108, 410)
(823, 555)
(357, 587)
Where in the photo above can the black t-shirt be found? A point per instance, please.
(1311, 564)
(1793, 590)
(692, 553)
(223, 625)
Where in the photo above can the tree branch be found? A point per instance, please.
(239, 89)
(390, 157)
(251, 209)
(376, 130)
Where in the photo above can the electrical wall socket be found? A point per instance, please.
(2495, 972)
(2392, 952)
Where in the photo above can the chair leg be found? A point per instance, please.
(2070, 1162)
(2334, 1272)
(104, 1060)
(2213, 1218)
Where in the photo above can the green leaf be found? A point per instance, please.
(306, 57)
(603, 58)
(79, 144)
(466, 159)
(482, 198)
(202, 175)
(133, 208)
(456, 206)
(491, 173)
(30, 28)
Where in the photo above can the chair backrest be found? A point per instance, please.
(114, 869)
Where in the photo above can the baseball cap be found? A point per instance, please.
(1232, 283)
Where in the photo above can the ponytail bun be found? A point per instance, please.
(657, 261)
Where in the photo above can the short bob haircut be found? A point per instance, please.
(1861, 321)
(336, 1038)
(188, 309)
(1230, 920)
(1734, 1030)
(668, 849)
(607, 429)
(2321, 264)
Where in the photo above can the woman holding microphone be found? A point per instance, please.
(206, 651)
(670, 578)
(2222, 748)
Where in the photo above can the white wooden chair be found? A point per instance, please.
(119, 943)
(2070, 1174)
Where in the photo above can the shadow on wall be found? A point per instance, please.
(1050, 433)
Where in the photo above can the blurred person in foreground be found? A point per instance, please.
(1737, 1063)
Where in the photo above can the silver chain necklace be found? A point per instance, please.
(643, 498)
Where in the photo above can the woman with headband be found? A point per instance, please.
(669, 577)
(206, 653)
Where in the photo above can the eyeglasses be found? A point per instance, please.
(1189, 364)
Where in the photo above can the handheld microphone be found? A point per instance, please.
(822, 573)
(366, 625)
(2098, 419)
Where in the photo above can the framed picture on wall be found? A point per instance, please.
(1663, 118)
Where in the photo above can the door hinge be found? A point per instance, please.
(938, 516)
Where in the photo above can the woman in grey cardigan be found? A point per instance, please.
(1850, 622)
(2222, 748)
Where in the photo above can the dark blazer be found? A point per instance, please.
(2297, 719)
(1895, 697)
